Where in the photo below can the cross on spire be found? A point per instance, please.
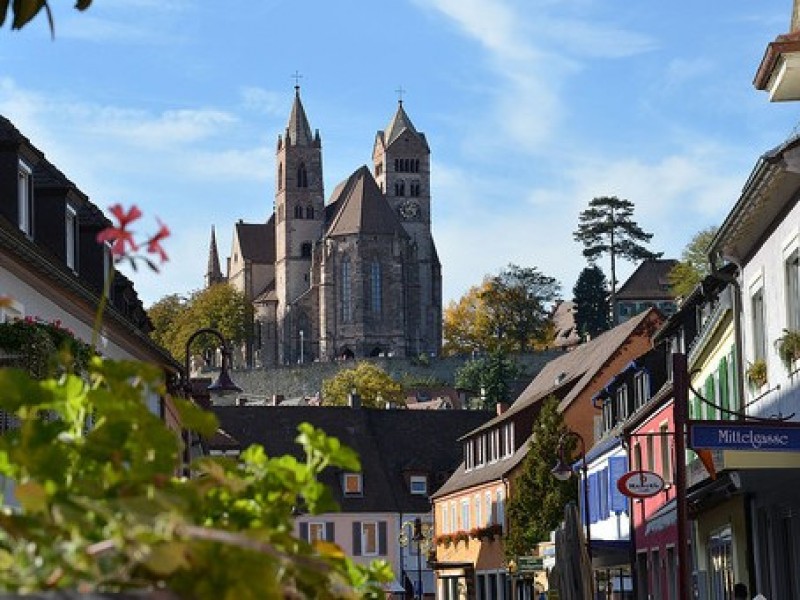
(297, 77)
(400, 91)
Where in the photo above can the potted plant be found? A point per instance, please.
(757, 373)
(788, 346)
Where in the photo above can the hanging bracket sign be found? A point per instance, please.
(640, 484)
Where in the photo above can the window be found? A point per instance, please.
(453, 521)
(369, 539)
(347, 309)
(413, 188)
(375, 287)
(418, 485)
(399, 188)
(469, 457)
(71, 237)
(305, 250)
(465, 515)
(309, 212)
(298, 212)
(352, 484)
(445, 519)
(316, 532)
(792, 268)
(508, 439)
(501, 510)
(490, 516)
(480, 458)
(651, 455)
(758, 325)
(494, 445)
(641, 392)
(666, 462)
(302, 176)
(637, 457)
(622, 402)
(280, 176)
(24, 198)
(478, 515)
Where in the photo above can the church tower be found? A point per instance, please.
(299, 219)
(401, 163)
(213, 272)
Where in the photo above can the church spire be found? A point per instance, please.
(213, 272)
(399, 123)
(298, 131)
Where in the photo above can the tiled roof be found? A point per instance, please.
(649, 281)
(257, 240)
(390, 443)
(363, 208)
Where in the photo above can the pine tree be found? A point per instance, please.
(607, 227)
(592, 309)
(536, 506)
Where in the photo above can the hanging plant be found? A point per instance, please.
(39, 347)
(757, 373)
(788, 346)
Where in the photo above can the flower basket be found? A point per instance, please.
(757, 373)
(788, 346)
(445, 539)
(461, 536)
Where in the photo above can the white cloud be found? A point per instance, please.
(263, 101)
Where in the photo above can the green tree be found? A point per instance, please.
(465, 326)
(590, 295)
(694, 264)
(536, 505)
(25, 10)
(607, 227)
(374, 385)
(492, 375)
(219, 306)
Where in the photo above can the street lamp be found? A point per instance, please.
(563, 471)
(422, 536)
(224, 384)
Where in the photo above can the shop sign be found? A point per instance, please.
(764, 437)
(529, 563)
(640, 484)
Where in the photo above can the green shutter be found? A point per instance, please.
(724, 392)
(710, 410)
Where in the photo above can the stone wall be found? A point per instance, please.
(306, 380)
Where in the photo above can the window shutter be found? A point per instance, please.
(382, 545)
(617, 466)
(594, 498)
(581, 503)
(603, 476)
(710, 411)
(357, 538)
(304, 531)
(329, 531)
(724, 392)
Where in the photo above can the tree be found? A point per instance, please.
(219, 306)
(25, 10)
(536, 505)
(607, 227)
(491, 376)
(466, 324)
(592, 309)
(374, 385)
(694, 264)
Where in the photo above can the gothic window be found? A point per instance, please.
(416, 165)
(298, 212)
(375, 287)
(414, 188)
(309, 212)
(399, 188)
(396, 164)
(305, 250)
(347, 307)
(302, 176)
(280, 176)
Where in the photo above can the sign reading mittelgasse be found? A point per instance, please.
(743, 435)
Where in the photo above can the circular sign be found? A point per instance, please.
(640, 484)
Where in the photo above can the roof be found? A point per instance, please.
(363, 209)
(566, 376)
(649, 281)
(257, 240)
(213, 272)
(390, 443)
(298, 131)
(399, 124)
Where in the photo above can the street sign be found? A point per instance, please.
(640, 484)
(743, 435)
(529, 563)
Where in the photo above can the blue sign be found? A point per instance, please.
(765, 437)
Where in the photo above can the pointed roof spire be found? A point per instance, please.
(213, 272)
(298, 131)
(399, 123)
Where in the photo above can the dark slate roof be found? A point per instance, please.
(392, 444)
(363, 209)
(649, 281)
(257, 240)
(463, 479)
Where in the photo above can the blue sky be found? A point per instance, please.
(531, 109)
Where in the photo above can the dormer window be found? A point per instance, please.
(469, 456)
(24, 198)
(71, 237)
(352, 484)
(418, 485)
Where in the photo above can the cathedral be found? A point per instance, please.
(355, 277)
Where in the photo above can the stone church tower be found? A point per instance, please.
(358, 276)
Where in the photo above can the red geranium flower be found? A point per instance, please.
(119, 236)
(154, 243)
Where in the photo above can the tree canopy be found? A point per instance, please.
(607, 227)
(592, 308)
(537, 505)
(374, 385)
(694, 264)
(220, 306)
(492, 375)
(509, 312)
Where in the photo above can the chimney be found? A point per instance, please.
(501, 408)
(353, 399)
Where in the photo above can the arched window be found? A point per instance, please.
(413, 188)
(298, 212)
(399, 188)
(309, 212)
(305, 250)
(396, 164)
(280, 176)
(347, 307)
(302, 176)
(416, 165)
(375, 287)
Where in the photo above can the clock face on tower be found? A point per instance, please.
(409, 209)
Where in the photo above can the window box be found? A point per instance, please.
(788, 346)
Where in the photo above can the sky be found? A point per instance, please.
(531, 109)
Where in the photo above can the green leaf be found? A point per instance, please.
(166, 558)
(195, 418)
(32, 497)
